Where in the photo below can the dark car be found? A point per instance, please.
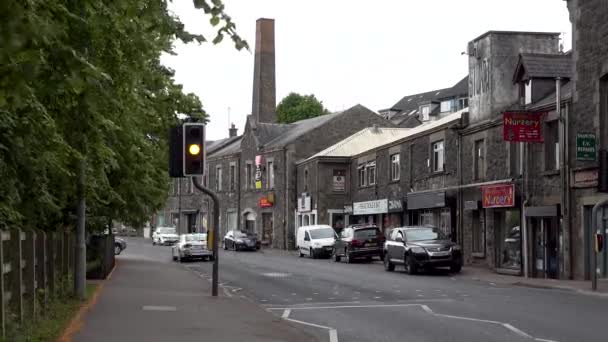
(237, 240)
(360, 241)
(421, 247)
(119, 245)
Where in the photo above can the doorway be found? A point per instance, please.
(250, 222)
(191, 222)
(267, 229)
(545, 248)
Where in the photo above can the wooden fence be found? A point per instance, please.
(34, 266)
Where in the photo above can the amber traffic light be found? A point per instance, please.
(194, 142)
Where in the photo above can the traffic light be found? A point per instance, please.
(194, 149)
(599, 243)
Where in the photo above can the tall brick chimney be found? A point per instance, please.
(264, 84)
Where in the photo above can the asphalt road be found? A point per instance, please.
(362, 302)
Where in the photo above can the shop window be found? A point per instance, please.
(426, 218)
(478, 234)
(270, 175)
(508, 224)
(218, 178)
(248, 176)
(395, 167)
(362, 175)
(551, 145)
(438, 156)
(480, 156)
(232, 176)
(371, 173)
(445, 221)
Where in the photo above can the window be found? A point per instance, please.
(438, 156)
(479, 160)
(528, 91)
(395, 167)
(425, 113)
(371, 173)
(362, 175)
(463, 103)
(232, 177)
(446, 106)
(552, 146)
(270, 175)
(248, 176)
(478, 234)
(218, 178)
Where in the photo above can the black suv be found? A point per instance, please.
(421, 247)
(359, 241)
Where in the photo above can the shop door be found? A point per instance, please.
(267, 229)
(191, 223)
(546, 248)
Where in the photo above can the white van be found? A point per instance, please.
(316, 240)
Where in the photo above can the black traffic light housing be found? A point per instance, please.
(194, 149)
(187, 150)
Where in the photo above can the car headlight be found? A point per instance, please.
(456, 248)
(418, 250)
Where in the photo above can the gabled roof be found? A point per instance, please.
(216, 145)
(537, 65)
(364, 140)
(549, 100)
(372, 138)
(231, 147)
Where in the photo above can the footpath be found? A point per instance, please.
(147, 300)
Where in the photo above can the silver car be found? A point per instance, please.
(191, 246)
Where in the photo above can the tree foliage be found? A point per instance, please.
(295, 107)
(81, 80)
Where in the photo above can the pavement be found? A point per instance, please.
(151, 298)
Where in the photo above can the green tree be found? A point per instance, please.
(295, 107)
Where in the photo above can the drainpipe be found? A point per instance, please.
(286, 204)
(460, 205)
(565, 208)
(524, 229)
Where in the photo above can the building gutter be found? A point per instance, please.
(465, 186)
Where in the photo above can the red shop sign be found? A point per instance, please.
(265, 203)
(523, 127)
(498, 196)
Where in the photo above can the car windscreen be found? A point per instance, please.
(196, 237)
(367, 233)
(323, 233)
(166, 230)
(423, 234)
(240, 235)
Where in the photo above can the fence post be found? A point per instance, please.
(17, 273)
(51, 244)
(41, 268)
(4, 269)
(29, 272)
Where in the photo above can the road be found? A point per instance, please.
(362, 302)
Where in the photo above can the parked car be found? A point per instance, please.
(164, 236)
(119, 245)
(316, 241)
(191, 246)
(421, 247)
(239, 240)
(359, 241)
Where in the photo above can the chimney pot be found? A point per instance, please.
(232, 131)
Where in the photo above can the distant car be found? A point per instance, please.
(237, 240)
(164, 236)
(119, 245)
(191, 246)
(359, 241)
(421, 247)
(316, 240)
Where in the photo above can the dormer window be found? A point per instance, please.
(528, 92)
(425, 110)
(446, 106)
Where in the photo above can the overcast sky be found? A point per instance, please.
(347, 51)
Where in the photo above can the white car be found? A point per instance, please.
(164, 236)
(191, 246)
(316, 240)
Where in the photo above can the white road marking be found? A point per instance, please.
(420, 296)
(543, 340)
(515, 330)
(226, 292)
(377, 297)
(315, 293)
(308, 298)
(293, 294)
(313, 303)
(333, 333)
(418, 290)
(158, 308)
(286, 313)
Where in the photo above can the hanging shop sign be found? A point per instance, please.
(585, 146)
(339, 180)
(498, 196)
(258, 172)
(370, 207)
(523, 127)
(395, 206)
(265, 202)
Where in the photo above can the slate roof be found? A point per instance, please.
(216, 145)
(536, 65)
(232, 146)
(549, 100)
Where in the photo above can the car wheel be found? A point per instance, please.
(174, 258)
(153, 242)
(117, 249)
(388, 265)
(337, 258)
(410, 266)
(347, 257)
(311, 253)
(456, 268)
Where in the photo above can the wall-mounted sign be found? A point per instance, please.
(370, 207)
(523, 127)
(304, 203)
(498, 196)
(258, 172)
(339, 180)
(265, 203)
(585, 178)
(395, 206)
(585, 146)
(471, 205)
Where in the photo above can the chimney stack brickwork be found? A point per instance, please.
(264, 83)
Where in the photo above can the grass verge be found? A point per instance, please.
(51, 326)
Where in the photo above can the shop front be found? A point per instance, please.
(545, 237)
(431, 209)
(369, 212)
(394, 217)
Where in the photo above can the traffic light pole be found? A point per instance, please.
(215, 229)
